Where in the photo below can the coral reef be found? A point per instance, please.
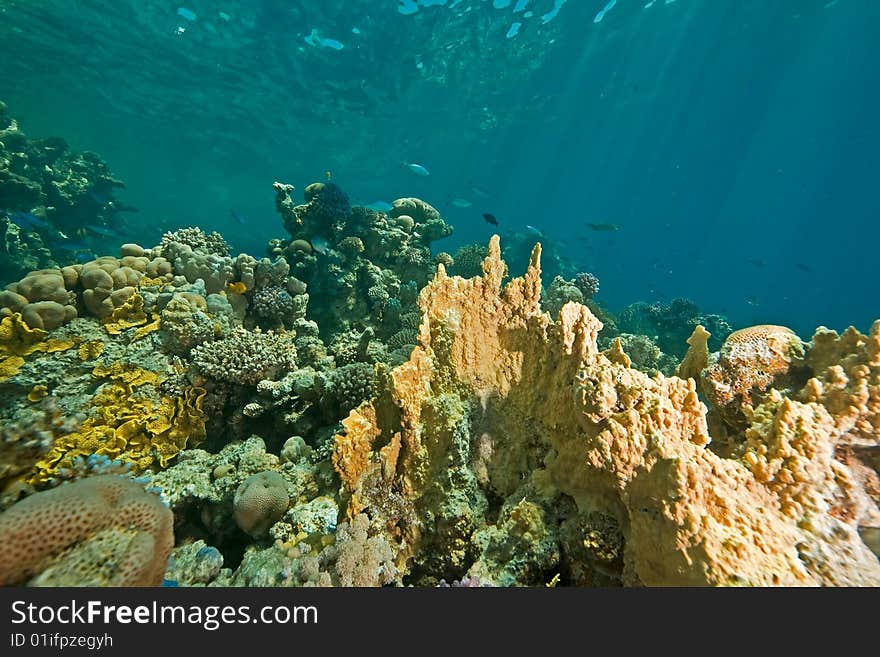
(246, 357)
(357, 260)
(573, 431)
(50, 198)
(354, 410)
(670, 324)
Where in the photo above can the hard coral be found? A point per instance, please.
(131, 422)
(100, 531)
(246, 357)
(197, 240)
(260, 502)
(588, 434)
(750, 361)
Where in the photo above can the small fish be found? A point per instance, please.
(490, 218)
(320, 245)
(379, 206)
(104, 231)
(417, 169)
(224, 16)
(752, 301)
(237, 287)
(461, 203)
(27, 221)
(603, 227)
(536, 231)
(328, 175)
(756, 261)
(187, 14)
(238, 217)
(803, 267)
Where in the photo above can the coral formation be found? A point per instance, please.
(48, 194)
(357, 260)
(357, 410)
(100, 531)
(246, 357)
(260, 502)
(670, 324)
(572, 429)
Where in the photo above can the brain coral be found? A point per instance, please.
(751, 360)
(56, 533)
(260, 502)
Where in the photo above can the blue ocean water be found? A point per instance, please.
(734, 144)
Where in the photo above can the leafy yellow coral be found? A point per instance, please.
(37, 393)
(91, 350)
(18, 340)
(131, 423)
(129, 314)
(146, 329)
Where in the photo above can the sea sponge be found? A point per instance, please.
(260, 501)
(55, 532)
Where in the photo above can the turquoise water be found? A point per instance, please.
(734, 143)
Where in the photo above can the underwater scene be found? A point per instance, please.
(439, 293)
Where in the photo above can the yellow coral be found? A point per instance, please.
(10, 366)
(18, 340)
(129, 314)
(91, 350)
(37, 393)
(129, 424)
(147, 329)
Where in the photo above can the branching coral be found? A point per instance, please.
(197, 240)
(246, 357)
